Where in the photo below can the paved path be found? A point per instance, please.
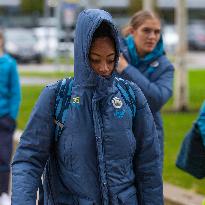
(36, 80)
(41, 68)
(195, 60)
(44, 67)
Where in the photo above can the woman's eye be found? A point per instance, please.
(95, 60)
(111, 61)
(149, 31)
(146, 30)
(157, 32)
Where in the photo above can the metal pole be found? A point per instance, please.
(148, 5)
(58, 26)
(181, 85)
(46, 9)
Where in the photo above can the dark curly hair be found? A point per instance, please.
(104, 30)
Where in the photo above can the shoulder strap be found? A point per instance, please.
(62, 102)
(127, 93)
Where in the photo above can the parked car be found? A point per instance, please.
(170, 38)
(22, 45)
(50, 40)
(196, 35)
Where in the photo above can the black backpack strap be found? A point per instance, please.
(127, 93)
(63, 95)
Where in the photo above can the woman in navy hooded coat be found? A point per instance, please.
(143, 61)
(102, 157)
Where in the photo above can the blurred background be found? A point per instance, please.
(39, 34)
(49, 25)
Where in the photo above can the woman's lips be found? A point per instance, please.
(150, 44)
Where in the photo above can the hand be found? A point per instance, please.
(122, 64)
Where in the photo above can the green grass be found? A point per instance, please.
(31, 93)
(196, 88)
(64, 59)
(196, 82)
(29, 96)
(176, 125)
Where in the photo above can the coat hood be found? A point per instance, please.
(88, 21)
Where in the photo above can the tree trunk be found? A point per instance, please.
(181, 88)
(149, 5)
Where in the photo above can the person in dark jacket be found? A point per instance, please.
(191, 156)
(9, 107)
(143, 61)
(104, 156)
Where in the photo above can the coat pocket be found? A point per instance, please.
(128, 197)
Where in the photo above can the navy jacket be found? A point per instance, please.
(101, 158)
(191, 156)
(155, 78)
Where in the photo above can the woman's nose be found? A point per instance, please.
(104, 67)
(151, 35)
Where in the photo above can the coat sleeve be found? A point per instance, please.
(157, 92)
(147, 156)
(33, 150)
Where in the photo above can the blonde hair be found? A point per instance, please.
(138, 19)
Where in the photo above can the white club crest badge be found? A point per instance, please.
(154, 64)
(117, 102)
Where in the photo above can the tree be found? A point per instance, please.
(32, 6)
(135, 6)
(181, 85)
(149, 5)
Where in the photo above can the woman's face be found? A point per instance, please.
(146, 36)
(102, 56)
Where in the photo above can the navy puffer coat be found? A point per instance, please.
(154, 75)
(102, 158)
